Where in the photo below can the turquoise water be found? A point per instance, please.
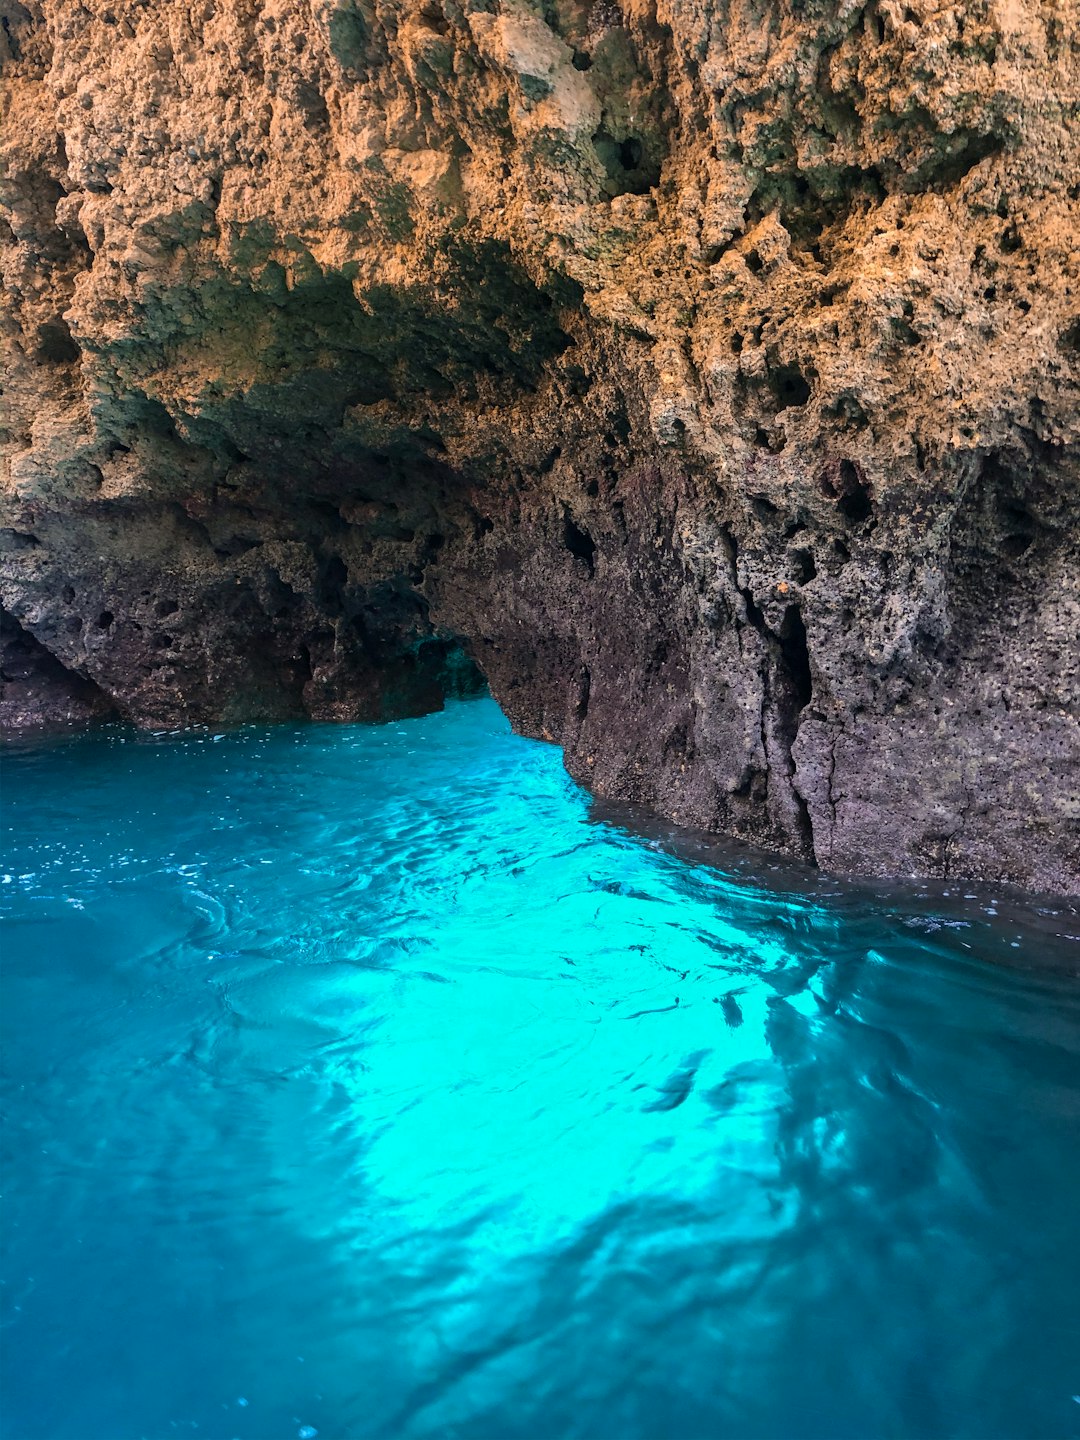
(358, 1081)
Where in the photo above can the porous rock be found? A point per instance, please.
(704, 371)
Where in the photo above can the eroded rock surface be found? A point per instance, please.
(707, 370)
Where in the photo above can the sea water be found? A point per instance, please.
(367, 1082)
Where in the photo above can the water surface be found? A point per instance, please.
(357, 1081)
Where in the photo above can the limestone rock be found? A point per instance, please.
(708, 371)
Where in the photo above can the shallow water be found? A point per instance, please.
(357, 1081)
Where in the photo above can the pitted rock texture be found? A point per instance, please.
(705, 370)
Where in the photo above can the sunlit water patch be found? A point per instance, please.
(358, 1081)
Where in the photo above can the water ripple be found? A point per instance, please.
(371, 1080)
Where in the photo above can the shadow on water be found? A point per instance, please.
(1001, 919)
(372, 1081)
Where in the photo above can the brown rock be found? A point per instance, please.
(710, 374)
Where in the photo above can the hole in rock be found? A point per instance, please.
(1019, 527)
(796, 654)
(845, 484)
(849, 412)
(1010, 240)
(790, 386)
(1016, 545)
(854, 499)
(434, 17)
(234, 546)
(55, 345)
(630, 153)
(584, 687)
(313, 106)
(333, 576)
(579, 542)
(105, 619)
(803, 569)
(578, 381)
(629, 167)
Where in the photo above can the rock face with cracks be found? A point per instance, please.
(705, 372)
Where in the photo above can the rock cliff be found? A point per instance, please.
(706, 372)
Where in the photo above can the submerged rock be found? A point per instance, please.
(707, 375)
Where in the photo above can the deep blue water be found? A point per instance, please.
(357, 1081)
